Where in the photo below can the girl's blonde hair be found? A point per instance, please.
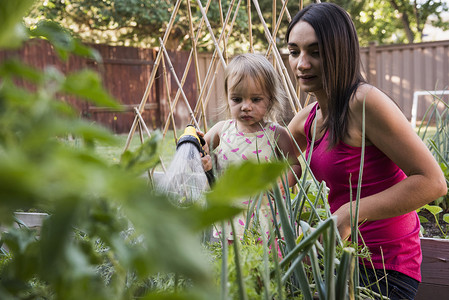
(257, 67)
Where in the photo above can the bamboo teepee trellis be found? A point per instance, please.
(204, 85)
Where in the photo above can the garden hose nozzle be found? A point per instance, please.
(190, 136)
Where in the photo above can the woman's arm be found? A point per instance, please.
(389, 130)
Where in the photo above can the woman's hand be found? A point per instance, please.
(343, 221)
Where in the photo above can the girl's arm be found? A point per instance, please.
(285, 145)
(212, 137)
(389, 130)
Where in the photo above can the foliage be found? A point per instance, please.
(108, 233)
(394, 21)
(124, 22)
(254, 263)
(435, 210)
(137, 23)
(438, 143)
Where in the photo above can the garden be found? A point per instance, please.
(108, 233)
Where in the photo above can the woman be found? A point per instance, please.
(399, 174)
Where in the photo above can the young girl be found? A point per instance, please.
(255, 100)
(400, 174)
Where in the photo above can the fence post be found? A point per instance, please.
(161, 95)
(372, 64)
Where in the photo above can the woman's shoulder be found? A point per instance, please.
(376, 109)
(368, 93)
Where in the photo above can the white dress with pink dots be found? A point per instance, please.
(234, 148)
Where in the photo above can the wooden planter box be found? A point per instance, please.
(434, 270)
(32, 220)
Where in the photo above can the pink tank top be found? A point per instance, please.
(394, 242)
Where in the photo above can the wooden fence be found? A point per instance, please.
(399, 70)
(402, 70)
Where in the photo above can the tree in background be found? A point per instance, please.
(142, 22)
(394, 21)
(132, 22)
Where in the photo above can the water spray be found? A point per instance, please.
(190, 136)
(185, 180)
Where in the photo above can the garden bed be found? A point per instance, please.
(435, 269)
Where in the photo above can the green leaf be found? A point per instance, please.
(15, 68)
(145, 157)
(434, 209)
(423, 219)
(12, 32)
(215, 213)
(245, 180)
(446, 218)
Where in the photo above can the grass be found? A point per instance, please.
(113, 153)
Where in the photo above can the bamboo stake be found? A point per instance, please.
(214, 56)
(167, 90)
(142, 123)
(307, 100)
(289, 17)
(211, 33)
(210, 89)
(153, 74)
(225, 53)
(199, 103)
(250, 26)
(278, 60)
(298, 89)
(273, 25)
(195, 56)
(141, 120)
(218, 66)
(277, 26)
(186, 70)
(170, 66)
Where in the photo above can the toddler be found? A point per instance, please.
(255, 101)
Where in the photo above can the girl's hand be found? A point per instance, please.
(205, 146)
(207, 162)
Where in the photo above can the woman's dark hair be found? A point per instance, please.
(338, 45)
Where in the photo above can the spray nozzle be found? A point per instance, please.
(190, 136)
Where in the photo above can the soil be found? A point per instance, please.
(431, 228)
